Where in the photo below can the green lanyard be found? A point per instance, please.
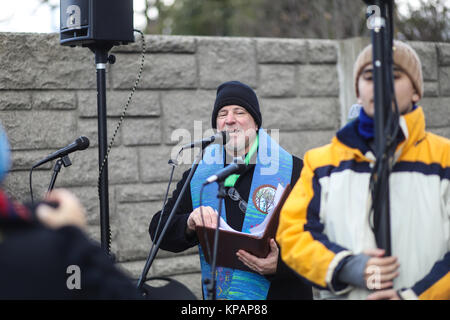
(231, 180)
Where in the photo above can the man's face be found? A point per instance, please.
(405, 93)
(240, 125)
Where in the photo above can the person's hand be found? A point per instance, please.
(389, 294)
(195, 218)
(380, 271)
(267, 265)
(69, 210)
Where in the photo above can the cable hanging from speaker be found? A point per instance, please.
(130, 97)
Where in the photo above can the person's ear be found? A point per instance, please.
(415, 97)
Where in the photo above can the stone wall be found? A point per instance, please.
(48, 98)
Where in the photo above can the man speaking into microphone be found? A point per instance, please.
(236, 111)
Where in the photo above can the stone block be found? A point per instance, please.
(24, 160)
(122, 167)
(89, 129)
(32, 60)
(39, 129)
(160, 71)
(177, 265)
(159, 44)
(431, 89)
(144, 103)
(87, 103)
(82, 172)
(444, 81)
(182, 112)
(89, 198)
(437, 111)
(162, 254)
(131, 225)
(295, 114)
(142, 131)
(318, 81)
(17, 185)
(297, 143)
(146, 192)
(54, 100)
(428, 56)
(224, 59)
(276, 80)
(133, 269)
(282, 50)
(15, 100)
(322, 51)
(444, 54)
(157, 168)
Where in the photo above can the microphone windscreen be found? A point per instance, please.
(82, 143)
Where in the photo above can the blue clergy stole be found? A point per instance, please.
(273, 167)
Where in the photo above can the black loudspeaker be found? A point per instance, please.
(88, 22)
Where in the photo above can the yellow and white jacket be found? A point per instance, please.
(325, 219)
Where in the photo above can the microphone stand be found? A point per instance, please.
(153, 253)
(382, 118)
(221, 194)
(56, 168)
(101, 59)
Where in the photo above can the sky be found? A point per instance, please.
(31, 16)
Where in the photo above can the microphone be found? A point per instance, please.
(238, 166)
(220, 137)
(80, 143)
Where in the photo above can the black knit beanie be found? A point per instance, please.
(236, 93)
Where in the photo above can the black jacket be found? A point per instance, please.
(285, 284)
(40, 263)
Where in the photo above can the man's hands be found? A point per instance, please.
(195, 219)
(69, 210)
(267, 265)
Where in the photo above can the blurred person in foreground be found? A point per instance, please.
(44, 253)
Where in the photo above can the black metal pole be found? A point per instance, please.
(378, 66)
(56, 169)
(382, 105)
(64, 161)
(101, 59)
(221, 195)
